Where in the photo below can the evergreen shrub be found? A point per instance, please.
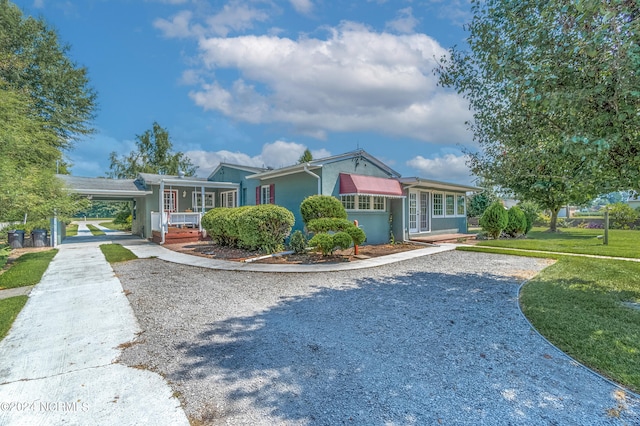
(494, 219)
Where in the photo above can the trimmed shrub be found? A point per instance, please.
(621, 215)
(322, 243)
(494, 219)
(298, 242)
(342, 240)
(327, 224)
(357, 235)
(530, 210)
(213, 223)
(319, 206)
(264, 227)
(517, 223)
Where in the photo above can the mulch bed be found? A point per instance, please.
(214, 251)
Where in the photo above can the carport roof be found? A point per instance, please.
(103, 187)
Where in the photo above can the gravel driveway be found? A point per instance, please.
(434, 340)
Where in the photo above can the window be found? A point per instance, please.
(460, 206)
(450, 205)
(364, 203)
(265, 194)
(170, 203)
(229, 199)
(438, 208)
(378, 203)
(348, 201)
(209, 200)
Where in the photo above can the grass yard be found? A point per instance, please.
(4, 254)
(9, 310)
(27, 269)
(116, 253)
(72, 230)
(588, 307)
(575, 240)
(95, 231)
(115, 227)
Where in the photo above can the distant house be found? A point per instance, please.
(384, 204)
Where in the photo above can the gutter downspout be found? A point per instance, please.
(404, 230)
(306, 170)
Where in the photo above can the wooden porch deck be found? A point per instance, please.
(444, 238)
(179, 235)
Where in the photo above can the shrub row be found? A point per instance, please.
(496, 219)
(263, 227)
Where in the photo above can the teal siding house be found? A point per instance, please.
(386, 206)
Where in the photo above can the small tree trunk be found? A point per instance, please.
(553, 225)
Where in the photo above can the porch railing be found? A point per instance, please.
(175, 219)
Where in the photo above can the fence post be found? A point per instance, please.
(606, 226)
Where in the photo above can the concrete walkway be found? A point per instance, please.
(57, 362)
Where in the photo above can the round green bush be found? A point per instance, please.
(342, 240)
(212, 222)
(357, 235)
(298, 242)
(322, 243)
(517, 223)
(494, 219)
(326, 224)
(530, 210)
(264, 227)
(622, 215)
(318, 206)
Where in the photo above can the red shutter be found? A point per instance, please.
(258, 195)
(272, 193)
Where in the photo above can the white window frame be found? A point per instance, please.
(464, 205)
(369, 200)
(448, 197)
(170, 200)
(434, 204)
(209, 200)
(227, 196)
(265, 194)
(456, 201)
(348, 200)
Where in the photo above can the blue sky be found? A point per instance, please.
(256, 82)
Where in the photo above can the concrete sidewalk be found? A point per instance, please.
(57, 363)
(146, 249)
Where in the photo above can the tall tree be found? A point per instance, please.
(553, 86)
(305, 157)
(33, 60)
(28, 163)
(153, 155)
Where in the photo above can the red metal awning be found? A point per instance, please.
(369, 185)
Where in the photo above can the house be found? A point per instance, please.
(385, 204)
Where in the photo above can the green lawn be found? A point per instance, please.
(575, 240)
(588, 307)
(116, 253)
(72, 230)
(4, 254)
(27, 269)
(9, 310)
(585, 307)
(95, 231)
(111, 225)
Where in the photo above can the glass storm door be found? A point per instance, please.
(424, 212)
(413, 212)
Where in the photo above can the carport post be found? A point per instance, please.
(161, 198)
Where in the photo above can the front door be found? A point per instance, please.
(424, 212)
(413, 212)
(419, 212)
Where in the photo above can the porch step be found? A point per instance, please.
(444, 238)
(177, 236)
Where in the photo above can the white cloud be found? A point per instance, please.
(234, 16)
(177, 27)
(355, 80)
(276, 154)
(404, 23)
(302, 6)
(448, 168)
